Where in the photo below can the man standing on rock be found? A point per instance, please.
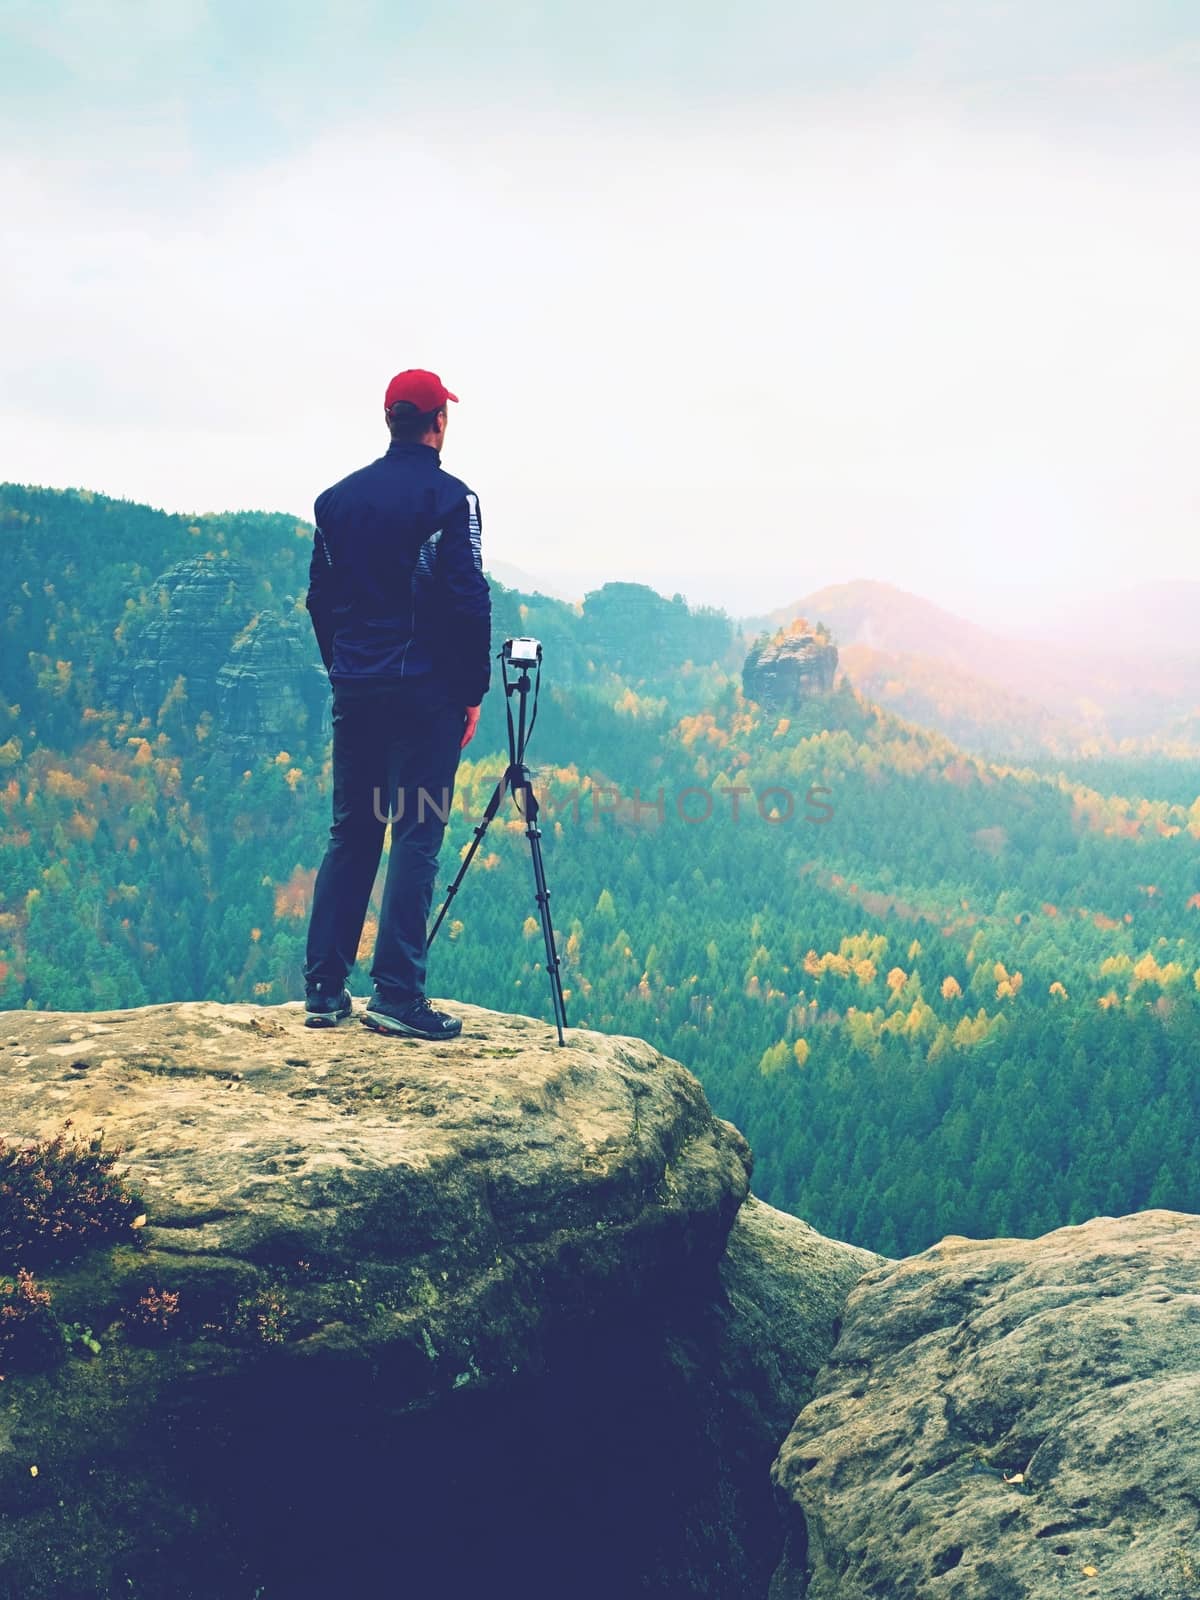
(402, 614)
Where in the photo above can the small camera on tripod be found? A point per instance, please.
(522, 652)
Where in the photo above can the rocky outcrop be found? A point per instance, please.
(482, 1317)
(204, 648)
(270, 692)
(784, 1286)
(794, 665)
(1008, 1418)
(500, 1317)
(197, 608)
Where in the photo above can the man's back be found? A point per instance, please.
(396, 584)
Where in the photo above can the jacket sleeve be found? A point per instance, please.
(321, 591)
(466, 602)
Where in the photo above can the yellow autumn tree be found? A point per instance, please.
(941, 1043)
(865, 946)
(863, 1028)
(773, 1059)
(920, 1020)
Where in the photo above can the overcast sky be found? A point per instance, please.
(739, 300)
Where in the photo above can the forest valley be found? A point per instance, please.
(940, 987)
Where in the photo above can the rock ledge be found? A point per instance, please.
(1008, 1417)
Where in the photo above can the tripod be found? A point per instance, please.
(521, 655)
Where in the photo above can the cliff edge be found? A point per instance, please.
(499, 1317)
(402, 1318)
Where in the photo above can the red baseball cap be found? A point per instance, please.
(425, 390)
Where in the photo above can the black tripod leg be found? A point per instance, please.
(493, 806)
(534, 834)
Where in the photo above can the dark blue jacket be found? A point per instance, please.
(396, 586)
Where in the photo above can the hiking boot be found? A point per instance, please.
(325, 1007)
(417, 1020)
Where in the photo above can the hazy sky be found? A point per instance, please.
(740, 300)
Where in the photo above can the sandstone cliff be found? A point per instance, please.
(204, 647)
(796, 664)
(1008, 1418)
(492, 1317)
(499, 1318)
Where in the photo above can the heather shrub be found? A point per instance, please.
(153, 1317)
(30, 1336)
(58, 1197)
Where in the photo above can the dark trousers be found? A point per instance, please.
(395, 752)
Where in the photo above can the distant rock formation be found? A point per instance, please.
(453, 1320)
(253, 672)
(797, 663)
(1008, 1417)
(269, 691)
(197, 609)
